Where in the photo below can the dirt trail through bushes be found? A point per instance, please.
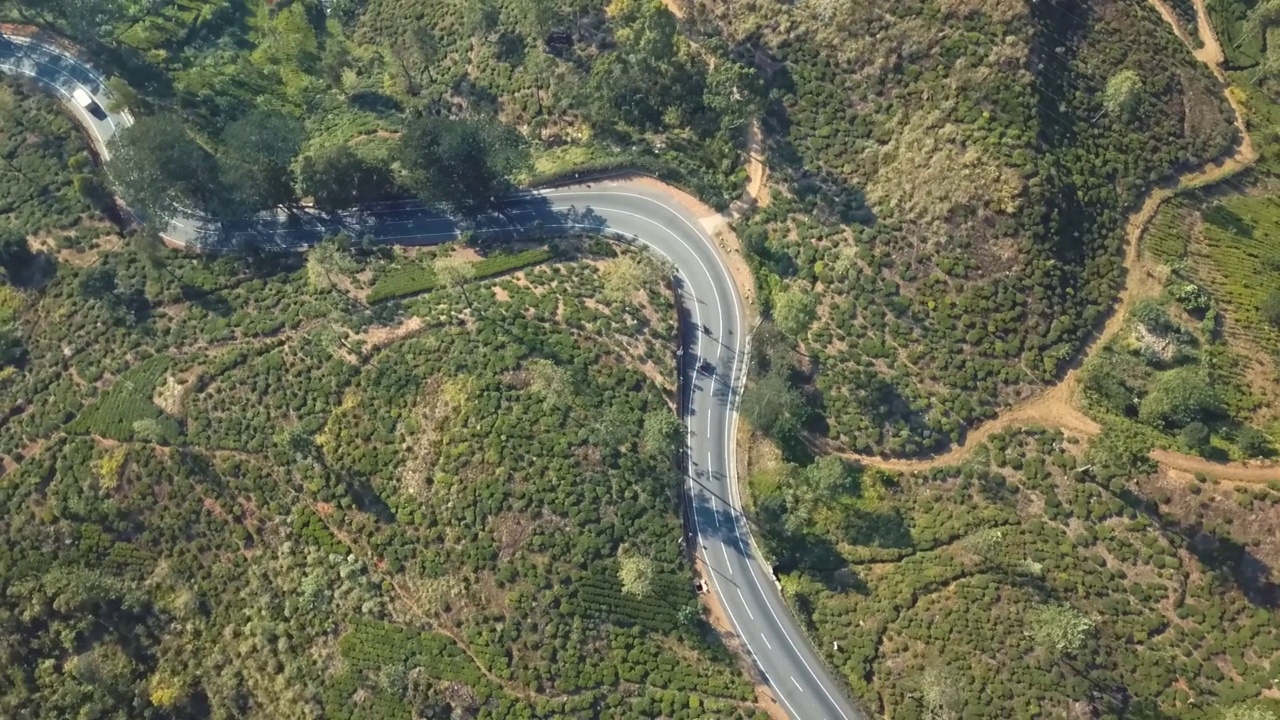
(1058, 407)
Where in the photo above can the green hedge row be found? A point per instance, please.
(601, 597)
(128, 401)
(413, 279)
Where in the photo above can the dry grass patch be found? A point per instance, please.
(1247, 513)
(171, 397)
(440, 402)
(378, 337)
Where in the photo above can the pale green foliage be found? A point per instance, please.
(631, 274)
(828, 477)
(394, 679)
(1247, 712)
(986, 544)
(325, 260)
(939, 693)
(313, 592)
(794, 311)
(456, 272)
(1122, 93)
(1263, 16)
(1177, 398)
(1060, 629)
(148, 430)
(690, 615)
(548, 379)
(453, 270)
(662, 430)
(122, 96)
(636, 573)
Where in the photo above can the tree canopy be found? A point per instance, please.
(468, 163)
(160, 171)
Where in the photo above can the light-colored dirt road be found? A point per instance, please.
(757, 172)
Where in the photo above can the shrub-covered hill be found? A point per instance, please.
(1033, 582)
(232, 491)
(958, 175)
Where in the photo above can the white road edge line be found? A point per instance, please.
(740, 346)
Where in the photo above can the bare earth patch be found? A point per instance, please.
(383, 335)
(73, 257)
(172, 396)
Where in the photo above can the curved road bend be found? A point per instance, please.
(708, 297)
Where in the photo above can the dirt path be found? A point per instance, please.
(1058, 406)
(757, 172)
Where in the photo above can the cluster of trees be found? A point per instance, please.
(264, 494)
(307, 102)
(1087, 596)
(161, 170)
(965, 236)
(1182, 383)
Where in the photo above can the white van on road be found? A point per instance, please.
(84, 100)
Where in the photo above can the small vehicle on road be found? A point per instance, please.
(706, 368)
(87, 103)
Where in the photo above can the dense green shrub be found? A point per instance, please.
(413, 278)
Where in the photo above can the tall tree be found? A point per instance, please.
(337, 178)
(455, 272)
(536, 17)
(1123, 91)
(940, 694)
(161, 172)
(326, 259)
(1179, 397)
(123, 97)
(480, 17)
(467, 163)
(794, 311)
(773, 406)
(1269, 308)
(733, 92)
(549, 380)
(258, 153)
(1059, 629)
(636, 573)
(662, 433)
(633, 273)
(414, 56)
(15, 254)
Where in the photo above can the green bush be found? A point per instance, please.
(413, 279)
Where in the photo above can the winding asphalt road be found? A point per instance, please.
(637, 212)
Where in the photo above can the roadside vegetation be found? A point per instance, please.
(1038, 579)
(246, 106)
(1047, 575)
(234, 487)
(441, 482)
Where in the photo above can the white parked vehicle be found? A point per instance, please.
(84, 99)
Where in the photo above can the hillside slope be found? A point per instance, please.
(959, 178)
